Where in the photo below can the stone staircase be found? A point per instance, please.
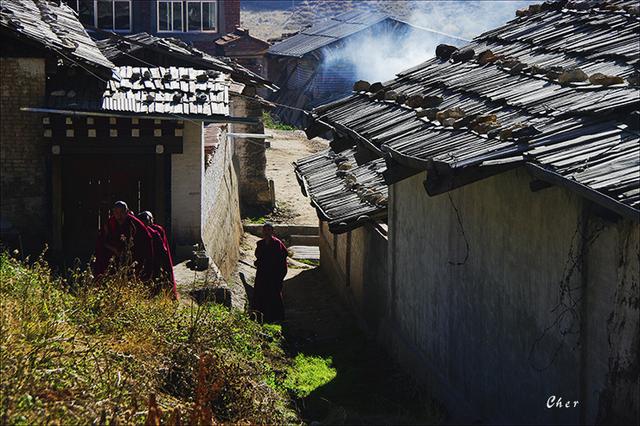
(303, 240)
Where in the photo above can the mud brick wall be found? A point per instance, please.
(24, 186)
(251, 154)
(222, 225)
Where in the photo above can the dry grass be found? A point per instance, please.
(75, 352)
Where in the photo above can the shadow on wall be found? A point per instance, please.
(341, 377)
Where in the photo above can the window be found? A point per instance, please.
(106, 14)
(201, 16)
(170, 16)
(85, 11)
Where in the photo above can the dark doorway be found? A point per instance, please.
(90, 186)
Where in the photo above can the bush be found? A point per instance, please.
(271, 122)
(76, 351)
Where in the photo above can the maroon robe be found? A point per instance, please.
(271, 265)
(118, 236)
(163, 265)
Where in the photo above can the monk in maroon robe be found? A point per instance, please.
(163, 261)
(271, 265)
(124, 240)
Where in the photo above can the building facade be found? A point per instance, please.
(196, 22)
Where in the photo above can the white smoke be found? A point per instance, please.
(379, 57)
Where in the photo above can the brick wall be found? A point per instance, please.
(231, 14)
(24, 184)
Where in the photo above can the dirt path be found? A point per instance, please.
(368, 388)
(288, 146)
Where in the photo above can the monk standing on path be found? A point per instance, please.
(271, 265)
(125, 239)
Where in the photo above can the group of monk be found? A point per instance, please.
(127, 240)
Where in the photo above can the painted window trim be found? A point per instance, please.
(182, 16)
(186, 15)
(113, 13)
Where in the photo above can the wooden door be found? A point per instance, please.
(90, 186)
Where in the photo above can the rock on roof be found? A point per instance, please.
(344, 193)
(53, 27)
(554, 90)
(174, 92)
(329, 31)
(120, 49)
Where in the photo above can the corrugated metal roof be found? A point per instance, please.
(159, 91)
(55, 27)
(575, 130)
(327, 32)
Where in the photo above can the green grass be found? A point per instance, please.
(271, 122)
(256, 220)
(308, 374)
(78, 351)
(309, 262)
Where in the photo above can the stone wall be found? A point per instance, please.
(187, 170)
(356, 264)
(24, 165)
(222, 225)
(500, 298)
(251, 154)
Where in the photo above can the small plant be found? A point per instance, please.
(309, 373)
(81, 351)
(271, 122)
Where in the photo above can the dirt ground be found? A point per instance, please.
(288, 146)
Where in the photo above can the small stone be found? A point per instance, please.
(361, 86)
(463, 55)
(391, 95)
(448, 122)
(58, 93)
(486, 118)
(430, 113)
(167, 76)
(487, 57)
(455, 113)
(572, 75)
(494, 133)
(632, 10)
(379, 95)
(202, 78)
(146, 75)
(414, 101)
(177, 97)
(376, 87)
(345, 166)
(522, 13)
(605, 80)
(185, 77)
(525, 132)
(537, 70)
(71, 94)
(400, 99)
(506, 134)
(431, 101)
(135, 76)
(444, 51)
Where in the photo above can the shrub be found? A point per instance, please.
(75, 351)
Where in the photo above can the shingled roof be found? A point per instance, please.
(52, 27)
(555, 90)
(330, 31)
(121, 49)
(140, 91)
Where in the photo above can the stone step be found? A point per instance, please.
(304, 240)
(283, 230)
(305, 252)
